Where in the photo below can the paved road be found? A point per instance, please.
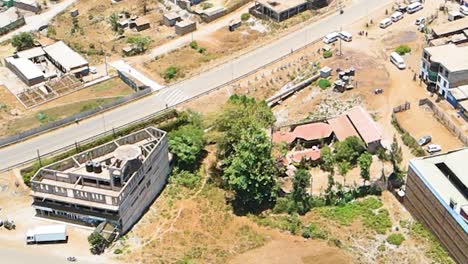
(35, 22)
(179, 92)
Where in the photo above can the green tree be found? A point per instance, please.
(396, 154)
(245, 16)
(349, 149)
(171, 72)
(343, 168)
(114, 21)
(328, 160)
(23, 40)
(140, 43)
(299, 195)
(239, 113)
(186, 143)
(250, 170)
(365, 162)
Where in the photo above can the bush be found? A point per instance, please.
(395, 239)
(118, 251)
(324, 84)
(185, 178)
(171, 73)
(403, 49)
(327, 54)
(193, 45)
(245, 16)
(23, 40)
(313, 231)
(281, 206)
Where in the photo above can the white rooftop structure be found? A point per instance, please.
(65, 56)
(446, 176)
(8, 17)
(31, 53)
(451, 56)
(26, 67)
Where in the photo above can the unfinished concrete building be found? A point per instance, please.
(115, 182)
(279, 10)
(437, 195)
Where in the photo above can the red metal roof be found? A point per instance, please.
(308, 154)
(312, 131)
(364, 124)
(342, 127)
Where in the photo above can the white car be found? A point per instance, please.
(92, 70)
(420, 20)
(433, 148)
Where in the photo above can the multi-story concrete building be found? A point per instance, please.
(279, 10)
(444, 67)
(437, 195)
(114, 182)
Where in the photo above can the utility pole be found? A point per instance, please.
(39, 158)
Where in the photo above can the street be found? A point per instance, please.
(182, 91)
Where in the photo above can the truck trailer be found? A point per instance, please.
(47, 234)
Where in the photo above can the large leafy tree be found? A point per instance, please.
(349, 149)
(23, 40)
(239, 113)
(250, 170)
(186, 143)
(299, 195)
(365, 162)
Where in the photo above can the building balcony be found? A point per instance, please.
(432, 76)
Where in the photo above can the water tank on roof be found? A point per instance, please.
(97, 168)
(129, 154)
(89, 166)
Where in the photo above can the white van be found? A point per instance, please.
(330, 38)
(414, 7)
(385, 23)
(464, 10)
(396, 16)
(397, 60)
(420, 21)
(346, 36)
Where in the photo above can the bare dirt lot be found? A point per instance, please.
(16, 205)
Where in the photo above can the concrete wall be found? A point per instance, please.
(32, 8)
(152, 178)
(427, 209)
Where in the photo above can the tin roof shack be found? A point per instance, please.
(66, 59)
(36, 54)
(140, 24)
(185, 26)
(28, 5)
(10, 20)
(279, 10)
(437, 195)
(26, 70)
(213, 13)
(170, 19)
(114, 182)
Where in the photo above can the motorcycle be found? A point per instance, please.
(71, 259)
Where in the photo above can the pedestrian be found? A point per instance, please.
(167, 106)
(366, 33)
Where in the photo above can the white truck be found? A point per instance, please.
(47, 234)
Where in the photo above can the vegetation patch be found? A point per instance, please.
(403, 49)
(327, 54)
(324, 84)
(408, 140)
(395, 239)
(436, 252)
(245, 16)
(368, 210)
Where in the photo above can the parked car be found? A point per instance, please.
(414, 7)
(330, 38)
(420, 21)
(346, 36)
(396, 16)
(464, 10)
(92, 70)
(385, 23)
(402, 8)
(433, 148)
(397, 60)
(424, 140)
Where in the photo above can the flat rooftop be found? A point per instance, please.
(280, 6)
(31, 53)
(26, 67)
(450, 27)
(451, 56)
(8, 17)
(65, 56)
(185, 23)
(446, 176)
